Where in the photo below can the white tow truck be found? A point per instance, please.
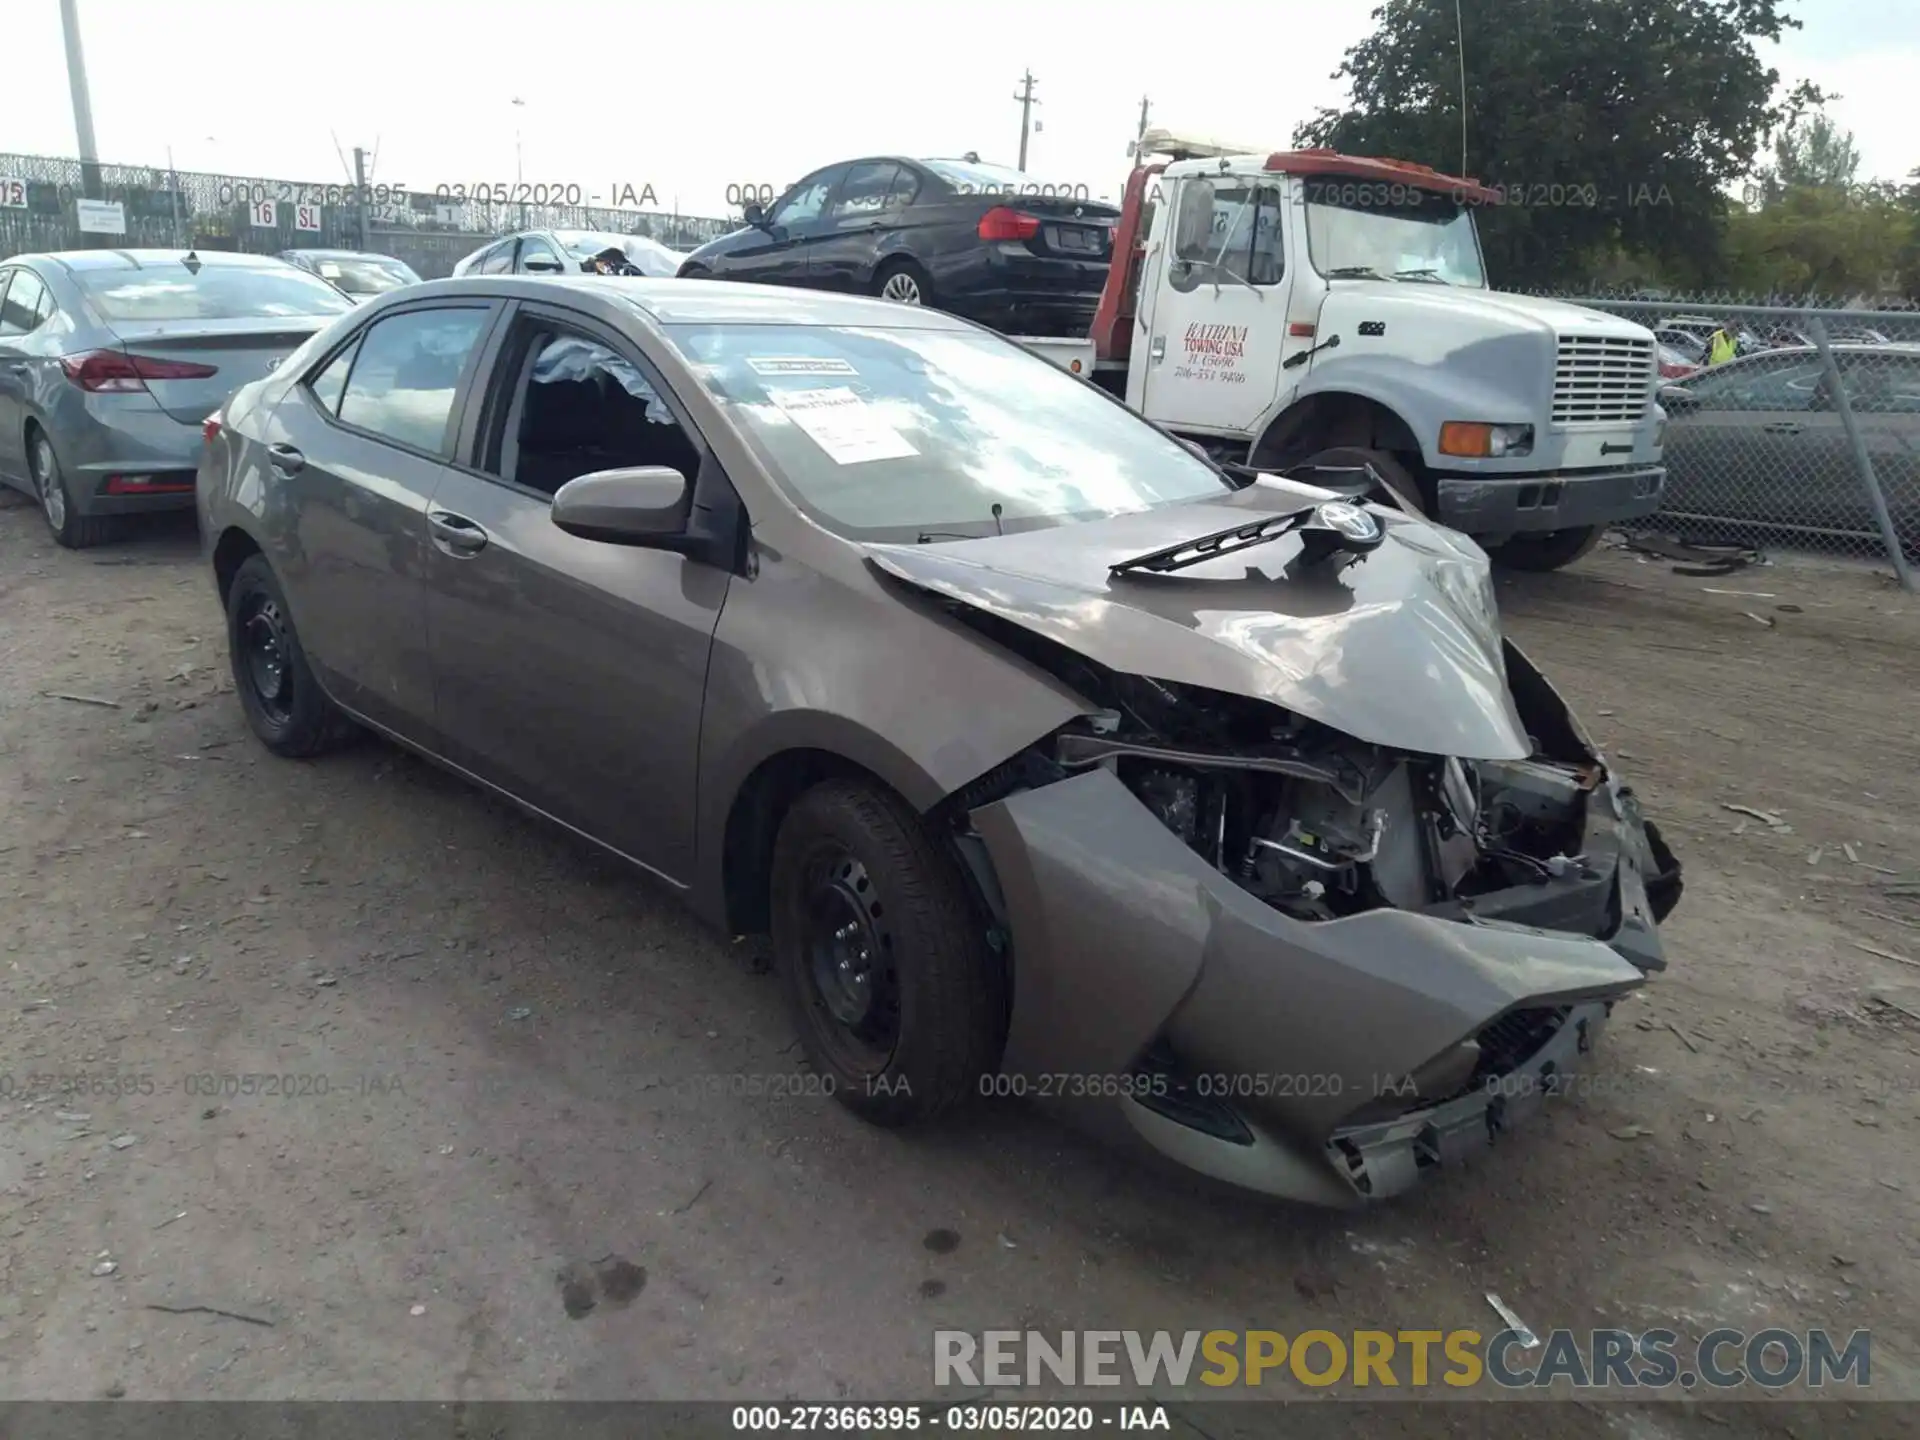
(1304, 307)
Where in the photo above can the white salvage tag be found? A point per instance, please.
(843, 425)
(799, 365)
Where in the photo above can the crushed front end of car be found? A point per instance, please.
(1297, 960)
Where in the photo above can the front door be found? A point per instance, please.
(778, 252)
(1217, 332)
(858, 217)
(571, 672)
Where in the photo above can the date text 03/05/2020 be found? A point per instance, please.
(618, 195)
(992, 1418)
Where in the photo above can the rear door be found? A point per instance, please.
(15, 375)
(355, 452)
(571, 672)
(1883, 389)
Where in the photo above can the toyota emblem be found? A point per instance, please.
(1349, 520)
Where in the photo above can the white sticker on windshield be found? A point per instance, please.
(799, 365)
(330, 270)
(843, 425)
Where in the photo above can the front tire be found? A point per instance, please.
(70, 528)
(284, 703)
(899, 1000)
(1547, 550)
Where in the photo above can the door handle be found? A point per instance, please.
(456, 534)
(285, 459)
(1159, 349)
(1783, 427)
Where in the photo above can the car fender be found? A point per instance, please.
(868, 672)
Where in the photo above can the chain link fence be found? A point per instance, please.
(56, 203)
(1807, 437)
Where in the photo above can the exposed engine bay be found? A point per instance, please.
(1320, 825)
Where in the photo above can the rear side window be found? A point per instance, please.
(402, 384)
(21, 310)
(331, 383)
(865, 193)
(497, 261)
(217, 292)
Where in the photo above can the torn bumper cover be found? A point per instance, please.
(1331, 1061)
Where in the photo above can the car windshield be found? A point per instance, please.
(218, 292)
(887, 434)
(364, 275)
(1392, 231)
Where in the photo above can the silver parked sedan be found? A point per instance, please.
(111, 360)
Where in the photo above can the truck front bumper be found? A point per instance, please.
(1501, 505)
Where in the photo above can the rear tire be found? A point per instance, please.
(695, 272)
(904, 283)
(284, 703)
(1548, 549)
(899, 1000)
(1400, 481)
(70, 528)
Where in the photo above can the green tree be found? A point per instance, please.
(1614, 126)
(1811, 150)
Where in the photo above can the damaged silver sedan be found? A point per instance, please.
(1055, 761)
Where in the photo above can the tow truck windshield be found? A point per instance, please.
(1391, 232)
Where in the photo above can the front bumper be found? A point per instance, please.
(1557, 500)
(1127, 946)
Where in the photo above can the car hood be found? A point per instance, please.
(1400, 647)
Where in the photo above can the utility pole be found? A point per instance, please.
(82, 102)
(1141, 138)
(360, 196)
(1027, 102)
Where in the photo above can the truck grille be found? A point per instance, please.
(1602, 380)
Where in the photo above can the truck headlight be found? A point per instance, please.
(1478, 440)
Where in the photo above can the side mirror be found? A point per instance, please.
(754, 213)
(645, 506)
(541, 265)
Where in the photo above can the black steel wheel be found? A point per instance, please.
(283, 702)
(898, 997)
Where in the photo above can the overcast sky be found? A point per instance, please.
(618, 94)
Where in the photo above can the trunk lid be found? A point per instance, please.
(241, 351)
(1400, 648)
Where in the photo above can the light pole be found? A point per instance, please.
(1027, 102)
(519, 171)
(82, 101)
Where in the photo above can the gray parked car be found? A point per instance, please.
(1756, 444)
(358, 274)
(1055, 763)
(111, 360)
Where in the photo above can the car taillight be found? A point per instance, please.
(115, 372)
(1003, 223)
(210, 429)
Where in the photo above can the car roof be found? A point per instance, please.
(341, 254)
(152, 259)
(680, 302)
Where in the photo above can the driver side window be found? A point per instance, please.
(580, 407)
(807, 199)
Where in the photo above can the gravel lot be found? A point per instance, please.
(504, 1025)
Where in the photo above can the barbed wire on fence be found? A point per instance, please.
(43, 206)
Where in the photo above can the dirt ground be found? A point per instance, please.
(499, 1017)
